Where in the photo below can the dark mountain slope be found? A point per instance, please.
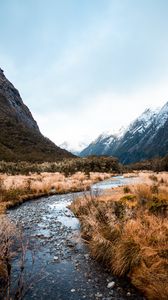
(20, 137)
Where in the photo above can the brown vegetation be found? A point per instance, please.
(13, 244)
(40, 180)
(7, 232)
(156, 164)
(127, 229)
(100, 164)
(14, 189)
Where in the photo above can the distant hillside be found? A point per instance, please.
(20, 137)
(145, 138)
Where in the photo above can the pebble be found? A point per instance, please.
(111, 293)
(111, 285)
(56, 258)
(98, 295)
(73, 290)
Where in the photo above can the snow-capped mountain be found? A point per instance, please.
(99, 146)
(145, 137)
(103, 143)
(75, 148)
(143, 121)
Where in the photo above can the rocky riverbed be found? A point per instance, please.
(60, 266)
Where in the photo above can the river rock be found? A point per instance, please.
(98, 295)
(111, 285)
(56, 258)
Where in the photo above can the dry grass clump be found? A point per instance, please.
(153, 197)
(131, 174)
(96, 176)
(126, 189)
(7, 234)
(160, 178)
(130, 234)
(15, 280)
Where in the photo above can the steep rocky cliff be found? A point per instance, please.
(20, 137)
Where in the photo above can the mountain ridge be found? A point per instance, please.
(20, 137)
(141, 140)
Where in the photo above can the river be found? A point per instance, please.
(60, 267)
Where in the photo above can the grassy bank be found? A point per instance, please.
(21, 181)
(127, 229)
(14, 189)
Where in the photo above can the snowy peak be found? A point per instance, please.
(75, 148)
(103, 137)
(121, 132)
(146, 115)
(162, 116)
(164, 109)
(110, 135)
(140, 124)
(145, 137)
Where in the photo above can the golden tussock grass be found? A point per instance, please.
(128, 231)
(14, 189)
(7, 234)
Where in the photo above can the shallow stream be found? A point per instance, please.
(61, 268)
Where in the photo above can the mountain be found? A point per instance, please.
(100, 145)
(103, 143)
(145, 138)
(20, 137)
(75, 149)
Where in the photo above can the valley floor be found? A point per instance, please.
(126, 227)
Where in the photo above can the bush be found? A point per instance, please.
(67, 166)
(126, 189)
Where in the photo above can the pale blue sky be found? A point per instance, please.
(85, 66)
